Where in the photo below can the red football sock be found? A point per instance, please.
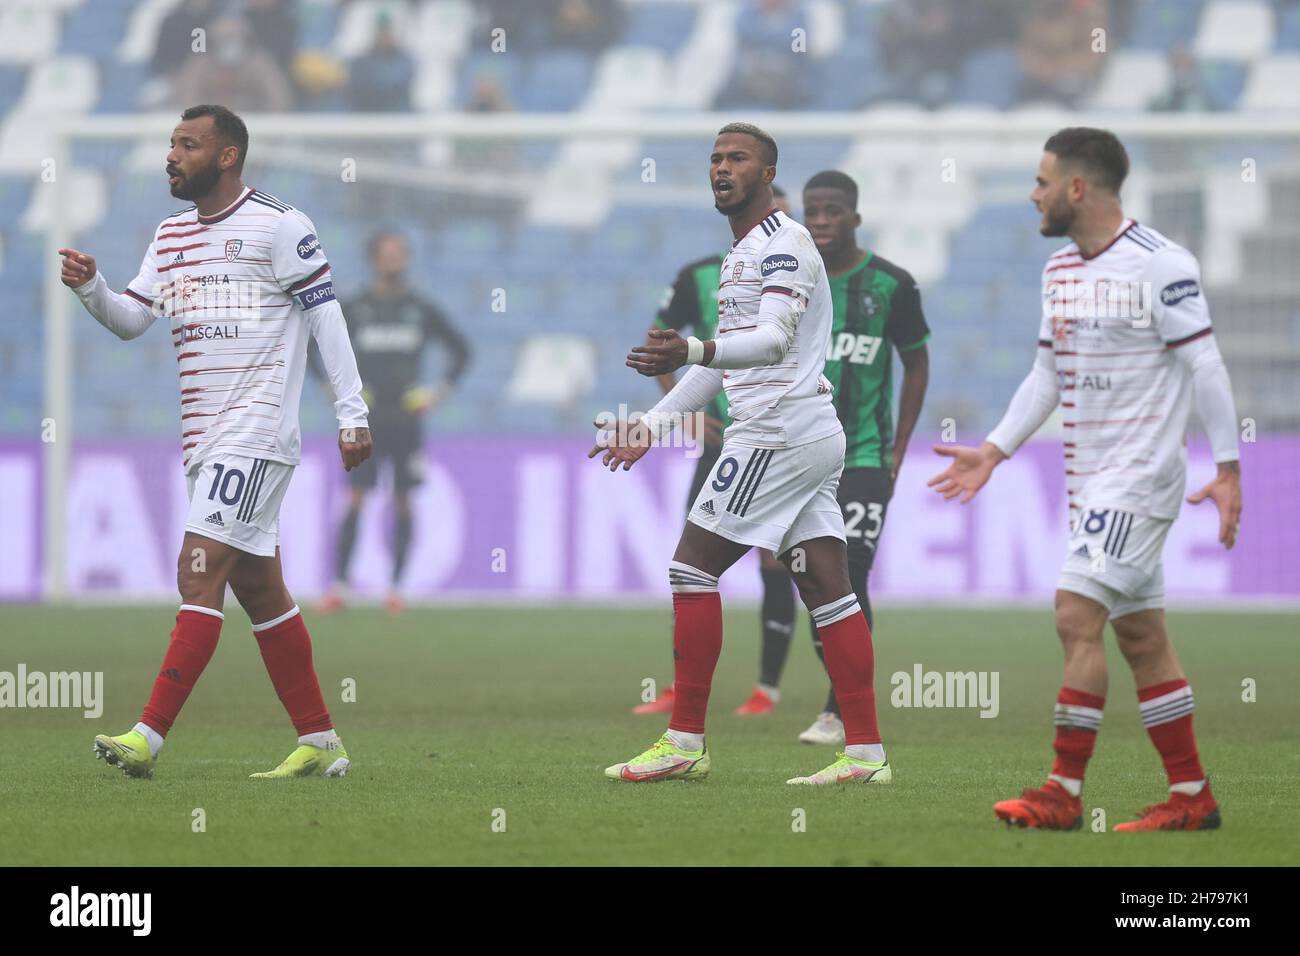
(286, 651)
(1078, 718)
(1167, 715)
(851, 663)
(192, 643)
(697, 644)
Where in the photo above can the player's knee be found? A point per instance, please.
(686, 579)
(201, 587)
(1076, 629)
(1140, 644)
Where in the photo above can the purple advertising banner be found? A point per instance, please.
(533, 518)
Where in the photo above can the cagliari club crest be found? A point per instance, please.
(232, 249)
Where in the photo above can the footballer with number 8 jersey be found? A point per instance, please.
(775, 482)
(1125, 347)
(244, 280)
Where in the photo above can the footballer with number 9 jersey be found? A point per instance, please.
(1125, 347)
(775, 482)
(244, 280)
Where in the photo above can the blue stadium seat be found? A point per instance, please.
(1224, 81)
(1288, 28)
(95, 29)
(556, 81)
(15, 191)
(1164, 25)
(12, 80)
(120, 86)
(662, 25)
(317, 24)
(989, 77)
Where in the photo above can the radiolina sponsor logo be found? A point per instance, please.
(677, 430)
(778, 262)
(957, 689)
(103, 909)
(76, 689)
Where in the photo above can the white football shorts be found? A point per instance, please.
(773, 498)
(237, 500)
(1115, 559)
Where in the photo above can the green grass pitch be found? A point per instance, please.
(462, 713)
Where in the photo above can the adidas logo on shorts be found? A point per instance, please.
(707, 508)
(215, 518)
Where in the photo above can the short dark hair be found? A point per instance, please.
(1098, 151)
(749, 129)
(834, 179)
(231, 130)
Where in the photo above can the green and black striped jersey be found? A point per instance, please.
(877, 309)
(690, 305)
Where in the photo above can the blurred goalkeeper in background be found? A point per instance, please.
(390, 327)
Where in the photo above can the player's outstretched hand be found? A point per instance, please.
(623, 443)
(1225, 492)
(78, 268)
(354, 446)
(665, 351)
(970, 469)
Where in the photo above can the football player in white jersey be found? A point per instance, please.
(243, 280)
(774, 485)
(1125, 347)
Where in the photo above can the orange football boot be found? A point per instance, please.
(1179, 812)
(1049, 808)
(760, 702)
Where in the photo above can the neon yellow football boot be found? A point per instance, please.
(848, 770)
(129, 753)
(309, 761)
(663, 761)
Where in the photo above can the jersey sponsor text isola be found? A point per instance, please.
(242, 289)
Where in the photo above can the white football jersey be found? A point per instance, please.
(235, 286)
(790, 403)
(1113, 321)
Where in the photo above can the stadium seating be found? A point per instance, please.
(583, 262)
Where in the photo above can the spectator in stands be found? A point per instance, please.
(1057, 59)
(235, 72)
(1186, 90)
(381, 78)
(920, 43)
(274, 27)
(768, 73)
(588, 25)
(176, 35)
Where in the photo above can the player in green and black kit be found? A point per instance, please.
(691, 307)
(877, 310)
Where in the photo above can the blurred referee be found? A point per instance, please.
(390, 327)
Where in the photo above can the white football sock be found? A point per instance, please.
(773, 692)
(1190, 788)
(155, 739)
(684, 741)
(1072, 787)
(871, 753)
(325, 739)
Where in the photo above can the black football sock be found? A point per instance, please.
(401, 542)
(347, 539)
(777, 616)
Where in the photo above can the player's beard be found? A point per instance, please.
(738, 205)
(1057, 220)
(198, 183)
